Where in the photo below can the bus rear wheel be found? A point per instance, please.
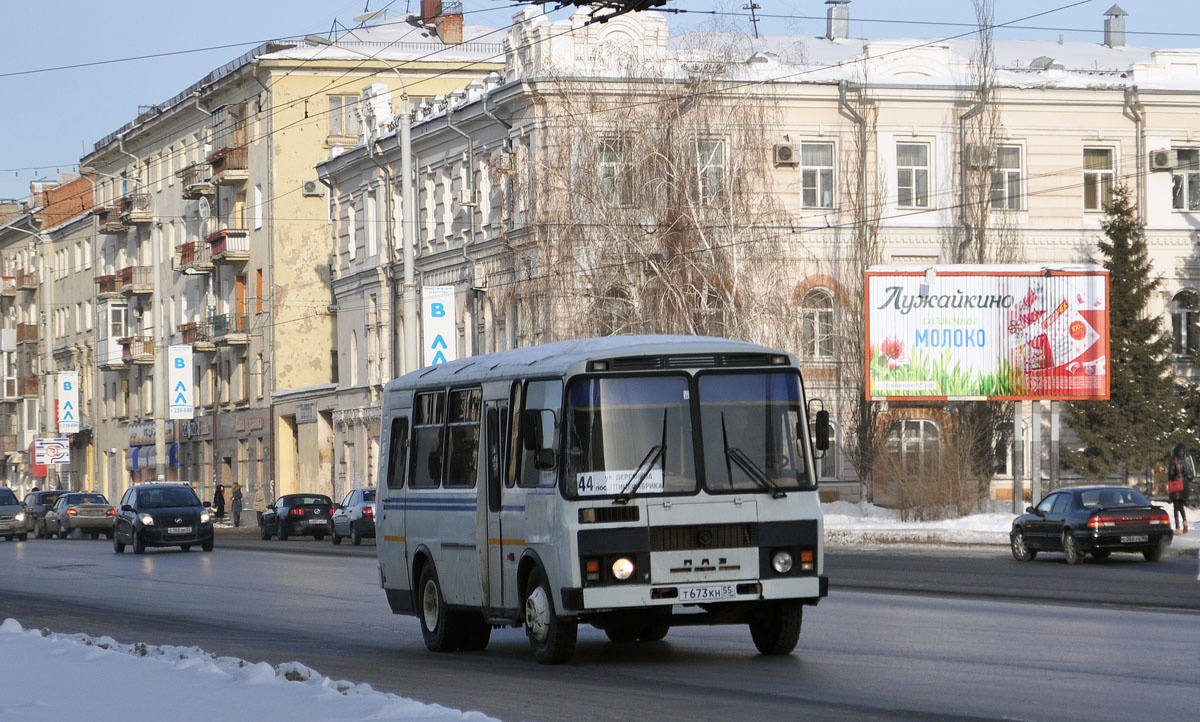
(437, 627)
(551, 639)
(776, 630)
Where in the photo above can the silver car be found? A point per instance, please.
(87, 511)
(12, 516)
(355, 517)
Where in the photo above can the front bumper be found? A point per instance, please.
(809, 590)
(155, 536)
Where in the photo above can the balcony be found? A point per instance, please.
(27, 333)
(8, 286)
(10, 390)
(9, 444)
(29, 387)
(230, 166)
(195, 256)
(229, 245)
(108, 218)
(110, 356)
(196, 181)
(199, 335)
(135, 208)
(137, 350)
(230, 329)
(136, 280)
(26, 280)
(108, 286)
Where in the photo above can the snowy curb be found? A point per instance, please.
(861, 537)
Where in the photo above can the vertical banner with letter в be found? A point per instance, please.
(68, 402)
(438, 339)
(180, 394)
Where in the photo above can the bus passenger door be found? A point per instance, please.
(495, 433)
(391, 537)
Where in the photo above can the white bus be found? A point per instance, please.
(634, 483)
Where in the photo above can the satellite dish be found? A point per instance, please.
(204, 209)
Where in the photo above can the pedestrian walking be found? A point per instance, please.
(1178, 480)
(235, 503)
(219, 501)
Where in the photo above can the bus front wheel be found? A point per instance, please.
(776, 630)
(436, 627)
(552, 639)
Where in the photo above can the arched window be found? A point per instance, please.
(916, 444)
(816, 324)
(1185, 322)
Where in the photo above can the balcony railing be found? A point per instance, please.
(108, 285)
(230, 328)
(30, 387)
(108, 218)
(137, 279)
(10, 389)
(136, 208)
(195, 255)
(230, 165)
(196, 180)
(27, 333)
(137, 349)
(229, 244)
(8, 286)
(27, 280)
(198, 334)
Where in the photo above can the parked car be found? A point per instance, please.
(86, 511)
(297, 515)
(162, 515)
(37, 503)
(1096, 520)
(12, 516)
(354, 517)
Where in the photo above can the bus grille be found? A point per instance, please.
(703, 536)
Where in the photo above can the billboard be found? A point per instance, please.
(438, 335)
(987, 332)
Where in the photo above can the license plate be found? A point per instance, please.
(1134, 538)
(707, 594)
(179, 530)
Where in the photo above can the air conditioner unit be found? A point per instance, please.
(313, 189)
(1164, 159)
(786, 154)
(981, 156)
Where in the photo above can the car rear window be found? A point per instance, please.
(1112, 498)
(310, 501)
(86, 499)
(368, 495)
(49, 499)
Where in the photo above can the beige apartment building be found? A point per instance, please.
(212, 234)
(606, 167)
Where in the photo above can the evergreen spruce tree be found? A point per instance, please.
(1132, 430)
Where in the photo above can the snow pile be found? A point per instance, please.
(53, 677)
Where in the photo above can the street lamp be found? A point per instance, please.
(409, 217)
(160, 372)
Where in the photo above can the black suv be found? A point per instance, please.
(162, 515)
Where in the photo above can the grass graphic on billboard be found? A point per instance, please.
(950, 377)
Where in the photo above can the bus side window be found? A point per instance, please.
(495, 447)
(516, 406)
(429, 416)
(397, 451)
(542, 396)
(463, 451)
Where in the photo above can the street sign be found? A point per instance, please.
(68, 402)
(438, 337)
(180, 401)
(52, 451)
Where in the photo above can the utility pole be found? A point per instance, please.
(752, 6)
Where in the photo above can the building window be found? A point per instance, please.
(912, 175)
(372, 223)
(709, 160)
(258, 290)
(1098, 173)
(1185, 180)
(1185, 322)
(616, 312)
(351, 231)
(816, 324)
(343, 115)
(816, 175)
(616, 188)
(915, 444)
(1006, 179)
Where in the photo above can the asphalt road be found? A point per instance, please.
(905, 634)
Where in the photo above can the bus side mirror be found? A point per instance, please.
(822, 430)
(544, 438)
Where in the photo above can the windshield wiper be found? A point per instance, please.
(747, 465)
(643, 469)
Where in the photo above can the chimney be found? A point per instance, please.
(1114, 27)
(837, 20)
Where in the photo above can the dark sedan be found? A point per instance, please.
(162, 515)
(297, 515)
(1096, 520)
(37, 503)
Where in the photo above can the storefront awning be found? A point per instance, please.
(142, 457)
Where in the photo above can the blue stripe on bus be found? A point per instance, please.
(512, 508)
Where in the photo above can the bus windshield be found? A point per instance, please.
(749, 423)
(629, 436)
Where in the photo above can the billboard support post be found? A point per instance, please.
(1035, 453)
(1018, 459)
(1054, 470)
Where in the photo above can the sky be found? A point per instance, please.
(99, 667)
(142, 52)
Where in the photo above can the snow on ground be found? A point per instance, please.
(52, 677)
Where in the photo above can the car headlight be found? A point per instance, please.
(20, 516)
(622, 568)
(782, 562)
(204, 517)
(146, 519)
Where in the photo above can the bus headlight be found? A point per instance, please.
(782, 562)
(622, 568)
